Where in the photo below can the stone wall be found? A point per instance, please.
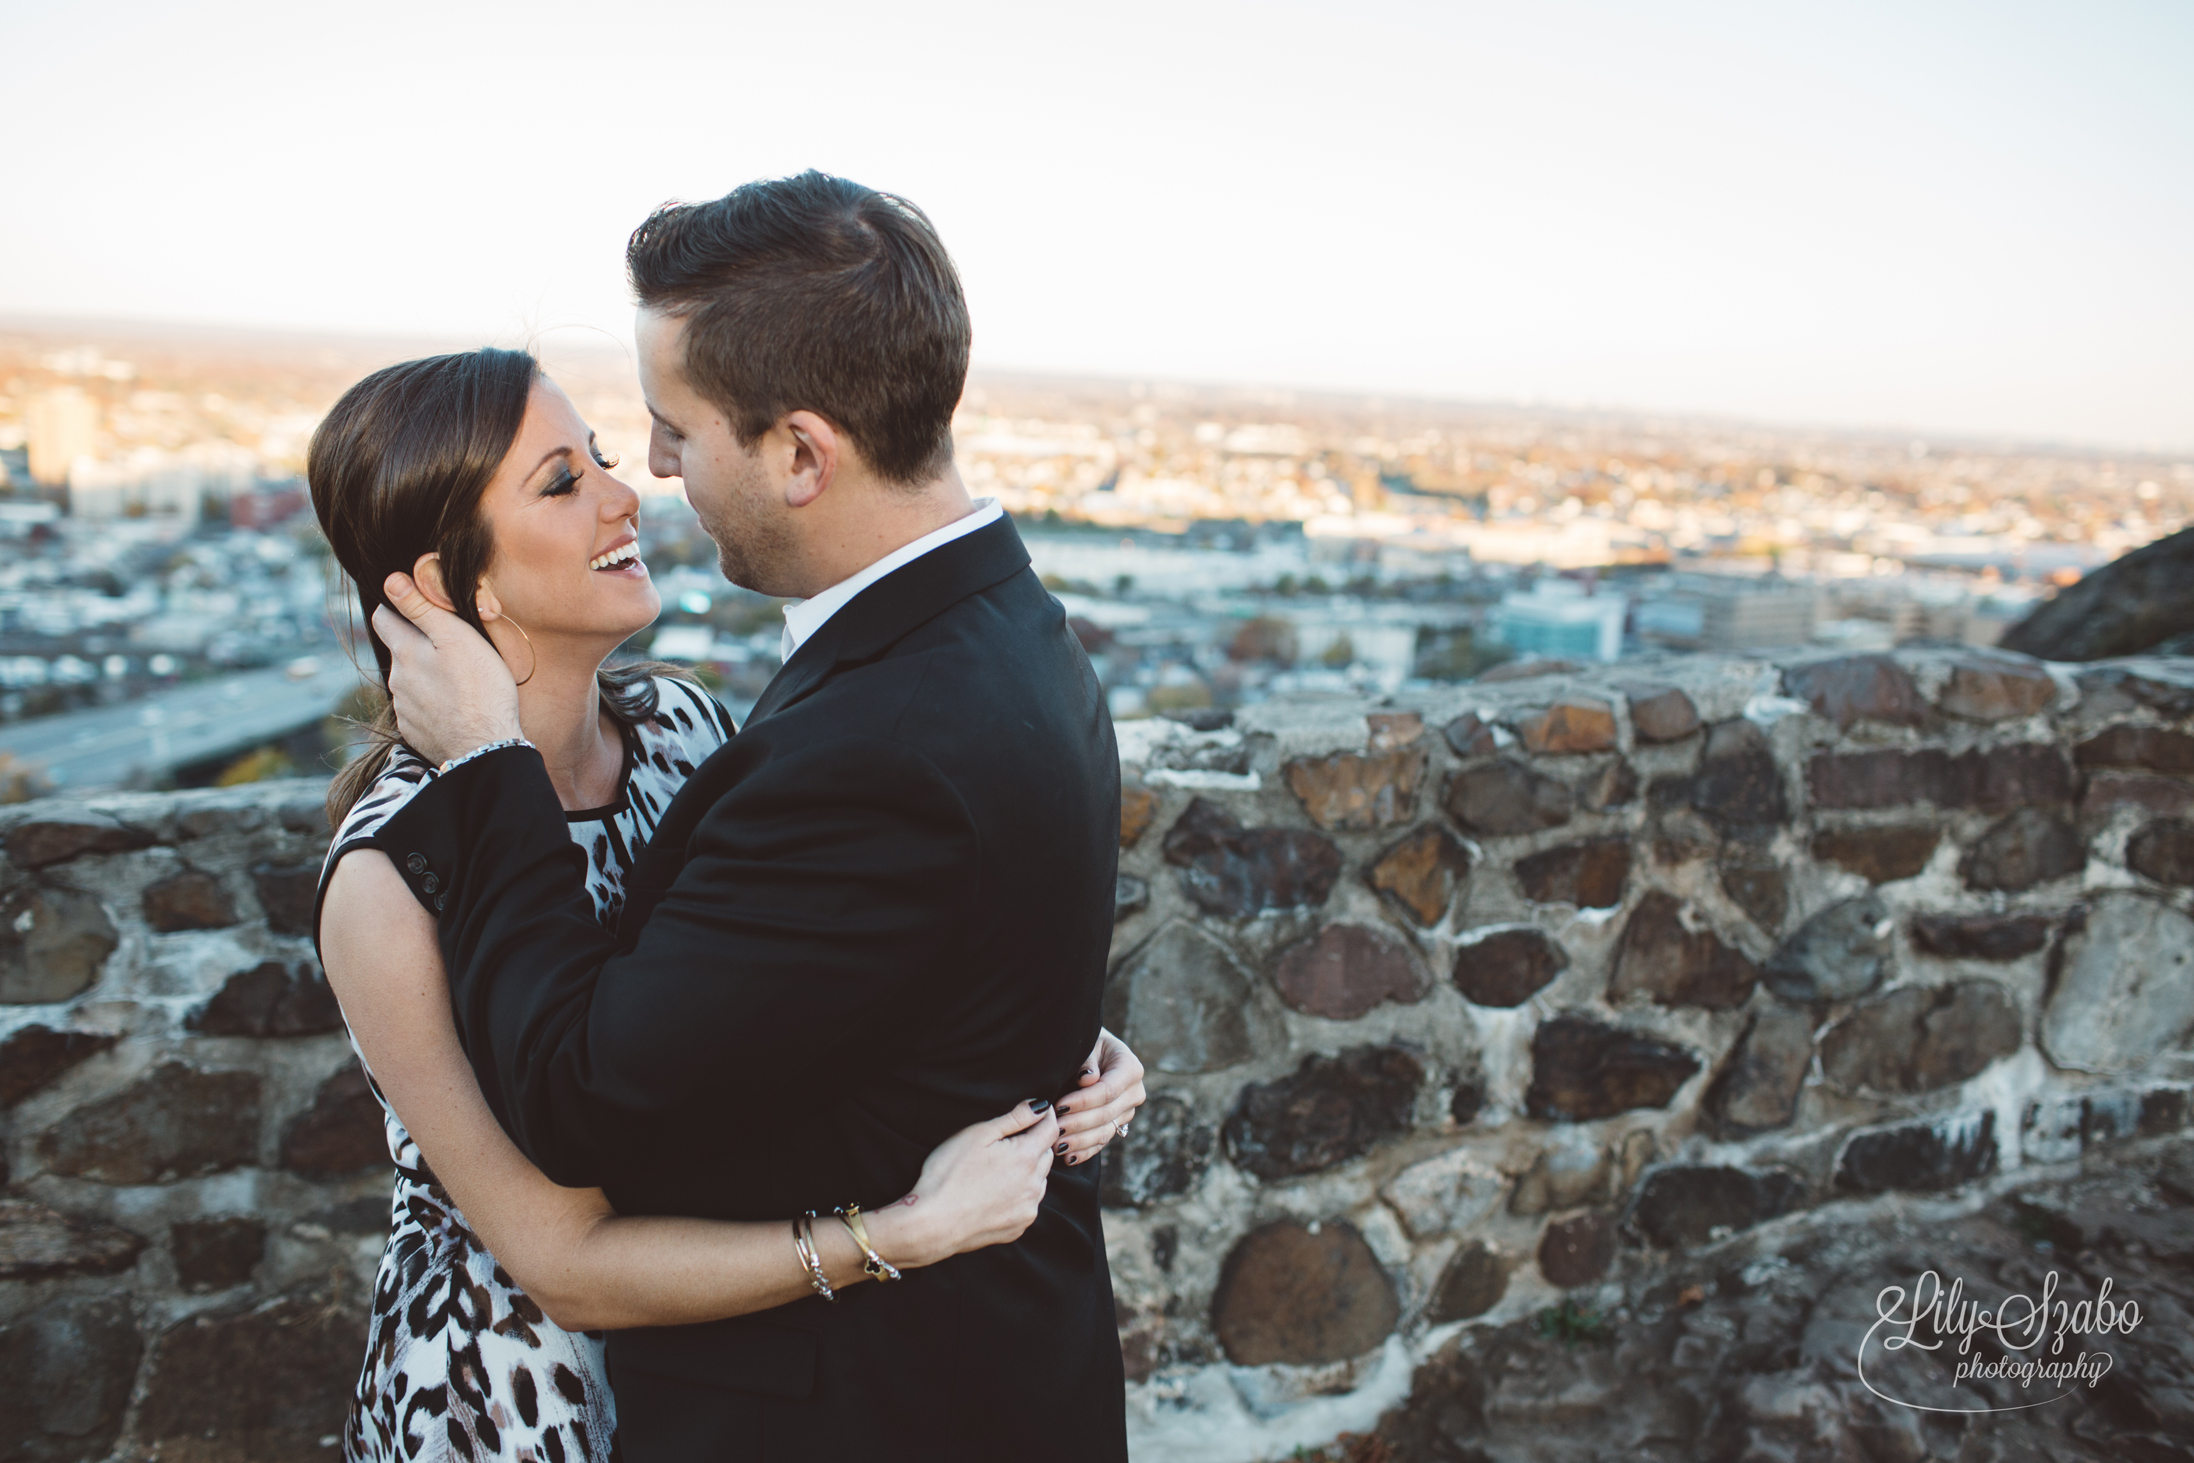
(1456, 1007)
(1469, 1004)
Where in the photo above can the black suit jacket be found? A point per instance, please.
(880, 913)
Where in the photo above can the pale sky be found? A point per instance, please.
(1950, 218)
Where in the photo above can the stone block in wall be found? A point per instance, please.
(1475, 1279)
(252, 1385)
(2062, 1126)
(53, 944)
(69, 1366)
(1347, 970)
(1577, 1251)
(173, 1123)
(2163, 851)
(342, 1132)
(1504, 968)
(1422, 874)
(38, 1243)
(1302, 1294)
(214, 1254)
(1753, 879)
(2124, 986)
(1919, 1157)
(1186, 1003)
(1758, 1089)
(1840, 953)
(1582, 1070)
(1661, 956)
(1993, 780)
(1326, 1112)
(1164, 1154)
(1138, 806)
(1240, 872)
(2106, 792)
(1992, 688)
(270, 999)
(1506, 798)
(1568, 727)
(1442, 1194)
(1738, 784)
(1880, 855)
(1919, 1038)
(1857, 688)
(2022, 849)
(1613, 784)
(1571, 1171)
(1130, 895)
(2157, 748)
(34, 1055)
(1471, 737)
(288, 893)
(1981, 936)
(2129, 688)
(42, 841)
(190, 900)
(1682, 1206)
(1391, 729)
(1589, 875)
(1660, 713)
(1358, 790)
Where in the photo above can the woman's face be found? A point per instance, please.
(566, 562)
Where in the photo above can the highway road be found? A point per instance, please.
(138, 741)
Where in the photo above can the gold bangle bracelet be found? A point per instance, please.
(875, 1266)
(811, 1259)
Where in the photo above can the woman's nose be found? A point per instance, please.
(619, 501)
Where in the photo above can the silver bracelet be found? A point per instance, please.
(459, 761)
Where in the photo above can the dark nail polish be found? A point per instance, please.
(1038, 1104)
(1060, 1149)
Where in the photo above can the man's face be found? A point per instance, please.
(729, 486)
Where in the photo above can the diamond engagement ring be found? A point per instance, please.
(1119, 1130)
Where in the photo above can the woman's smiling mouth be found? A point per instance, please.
(624, 558)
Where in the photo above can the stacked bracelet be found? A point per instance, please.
(803, 1240)
(461, 759)
(875, 1266)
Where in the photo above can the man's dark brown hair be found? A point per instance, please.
(814, 293)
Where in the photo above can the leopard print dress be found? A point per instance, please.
(460, 1363)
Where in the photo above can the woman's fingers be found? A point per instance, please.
(1021, 1117)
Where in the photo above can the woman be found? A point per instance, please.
(475, 475)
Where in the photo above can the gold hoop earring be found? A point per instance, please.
(533, 657)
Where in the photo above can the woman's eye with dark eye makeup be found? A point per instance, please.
(564, 482)
(604, 460)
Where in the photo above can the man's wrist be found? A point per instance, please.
(453, 763)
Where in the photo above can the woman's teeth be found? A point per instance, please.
(621, 555)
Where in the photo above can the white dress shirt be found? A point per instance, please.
(803, 617)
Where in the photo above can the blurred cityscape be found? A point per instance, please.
(167, 616)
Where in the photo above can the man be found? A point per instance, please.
(880, 913)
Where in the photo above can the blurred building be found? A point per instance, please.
(1560, 619)
(60, 426)
(1724, 612)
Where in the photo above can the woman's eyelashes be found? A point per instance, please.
(565, 481)
(603, 460)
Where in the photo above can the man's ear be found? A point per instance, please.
(427, 574)
(816, 449)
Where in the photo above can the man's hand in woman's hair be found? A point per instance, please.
(1111, 1091)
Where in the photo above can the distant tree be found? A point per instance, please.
(1340, 654)
(1263, 639)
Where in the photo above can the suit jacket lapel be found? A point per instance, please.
(869, 624)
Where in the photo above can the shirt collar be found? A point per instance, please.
(803, 617)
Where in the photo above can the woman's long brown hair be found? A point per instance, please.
(396, 471)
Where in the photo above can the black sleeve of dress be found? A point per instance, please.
(818, 899)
